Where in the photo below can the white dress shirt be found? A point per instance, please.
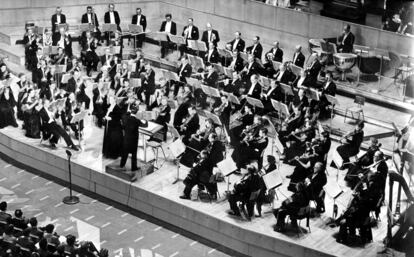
(279, 77)
(236, 42)
(138, 19)
(251, 89)
(209, 36)
(168, 26)
(189, 30)
(58, 20)
(111, 17)
(89, 18)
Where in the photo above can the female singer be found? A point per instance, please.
(7, 103)
(113, 136)
(31, 107)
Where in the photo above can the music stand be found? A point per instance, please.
(177, 40)
(196, 62)
(224, 53)
(232, 99)
(296, 69)
(84, 27)
(227, 167)
(110, 28)
(61, 25)
(312, 94)
(219, 68)
(265, 81)
(276, 65)
(287, 90)
(177, 148)
(65, 78)
(338, 161)
(244, 56)
(197, 45)
(254, 102)
(77, 119)
(228, 72)
(334, 191)
(169, 75)
(273, 180)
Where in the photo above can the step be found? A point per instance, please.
(15, 53)
(9, 35)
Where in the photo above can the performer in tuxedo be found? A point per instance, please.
(169, 27)
(190, 32)
(131, 126)
(315, 184)
(210, 35)
(256, 49)
(237, 63)
(90, 17)
(328, 88)
(298, 57)
(64, 40)
(237, 43)
(234, 86)
(313, 69)
(277, 52)
(50, 126)
(212, 55)
(223, 111)
(91, 59)
(57, 18)
(351, 142)
(255, 89)
(112, 17)
(181, 113)
(189, 125)
(243, 121)
(147, 83)
(251, 68)
(345, 42)
(302, 81)
(139, 19)
(275, 92)
(284, 75)
(251, 148)
(183, 71)
(7, 104)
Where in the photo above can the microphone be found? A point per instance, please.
(68, 153)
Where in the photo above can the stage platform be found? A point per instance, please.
(156, 195)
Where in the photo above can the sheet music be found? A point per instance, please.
(65, 78)
(272, 180)
(177, 148)
(333, 189)
(255, 102)
(227, 166)
(337, 159)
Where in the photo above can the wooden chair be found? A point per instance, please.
(303, 213)
(357, 109)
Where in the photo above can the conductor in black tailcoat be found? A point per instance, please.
(131, 125)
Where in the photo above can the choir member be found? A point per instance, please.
(277, 52)
(169, 27)
(256, 49)
(298, 57)
(139, 19)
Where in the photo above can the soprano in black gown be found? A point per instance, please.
(113, 136)
(7, 103)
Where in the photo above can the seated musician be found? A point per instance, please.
(293, 122)
(303, 81)
(50, 126)
(164, 115)
(212, 55)
(251, 148)
(363, 161)
(237, 63)
(298, 57)
(147, 83)
(351, 142)
(284, 75)
(89, 56)
(183, 71)
(345, 42)
(63, 40)
(240, 123)
(314, 186)
(298, 138)
(189, 124)
(90, 17)
(256, 49)
(60, 58)
(223, 111)
(169, 27)
(313, 70)
(237, 43)
(291, 207)
(197, 142)
(275, 92)
(249, 183)
(255, 89)
(138, 59)
(200, 173)
(277, 52)
(234, 86)
(268, 69)
(264, 196)
(71, 107)
(325, 145)
(251, 68)
(328, 88)
(210, 79)
(181, 113)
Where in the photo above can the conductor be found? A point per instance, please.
(131, 125)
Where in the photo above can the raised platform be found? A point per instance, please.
(155, 195)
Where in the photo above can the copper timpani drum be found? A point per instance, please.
(344, 62)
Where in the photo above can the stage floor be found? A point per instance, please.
(322, 237)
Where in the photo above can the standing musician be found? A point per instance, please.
(90, 17)
(190, 32)
(298, 57)
(249, 183)
(237, 43)
(30, 48)
(251, 147)
(169, 27)
(277, 52)
(131, 126)
(112, 16)
(210, 35)
(200, 173)
(298, 138)
(189, 124)
(351, 142)
(61, 58)
(90, 58)
(256, 49)
(212, 55)
(210, 79)
(42, 76)
(345, 42)
(139, 19)
(57, 18)
(100, 103)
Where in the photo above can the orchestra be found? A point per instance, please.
(115, 95)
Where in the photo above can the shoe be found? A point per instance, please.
(134, 178)
(288, 176)
(53, 146)
(74, 148)
(258, 215)
(234, 213)
(185, 197)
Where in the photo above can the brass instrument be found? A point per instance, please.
(185, 122)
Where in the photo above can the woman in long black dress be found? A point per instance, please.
(31, 106)
(113, 137)
(7, 103)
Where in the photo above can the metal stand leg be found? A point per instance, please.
(178, 171)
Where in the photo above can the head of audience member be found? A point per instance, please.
(209, 27)
(139, 11)
(43, 244)
(111, 7)
(58, 10)
(298, 48)
(168, 17)
(33, 222)
(256, 40)
(190, 22)
(70, 240)
(237, 34)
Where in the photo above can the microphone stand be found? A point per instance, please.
(70, 199)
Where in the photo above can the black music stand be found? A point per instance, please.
(77, 119)
(71, 199)
(196, 62)
(224, 53)
(228, 72)
(177, 40)
(232, 98)
(276, 65)
(109, 28)
(254, 102)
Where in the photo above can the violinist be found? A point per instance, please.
(189, 125)
(298, 138)
(351, 142)
(181, 113)
(200, 173)
(249, 183)
(264, 196)
(71, 108)
(147, 83)
(164, 115)
(251, 148)
(60, 58)
(314, 185)
(211, 77)
(291, 207)
(291, 123)
(239, 123)
(215, 149)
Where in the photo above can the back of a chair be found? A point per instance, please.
(303, 212)
(359, 100)
(254, 195)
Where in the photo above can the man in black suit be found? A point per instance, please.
(256, 49)
(211, 78)
(237, 63)
(346, 40)
(275, 92)
(313, 69)
(212, 55)
(236, 43)
(314, 186)
(351, 142)
(251, 68)
(63, 40)
(131, 136)
(183, 71)
(328, 88)
(277, 52)
(255, 89)
(169, 27)
(148, 83)
(190, 32)
(57, 18)
(50, 126)
(284, 75)
(112, 17)
(210, 35)
(298, 57)
(90, 17)
(190, 124)
(139, 19)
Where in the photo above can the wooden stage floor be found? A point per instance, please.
(321, 237)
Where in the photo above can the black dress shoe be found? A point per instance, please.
(288, 176)
(184, 197)
(53, 146)
(234, 213)
(74, 148)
